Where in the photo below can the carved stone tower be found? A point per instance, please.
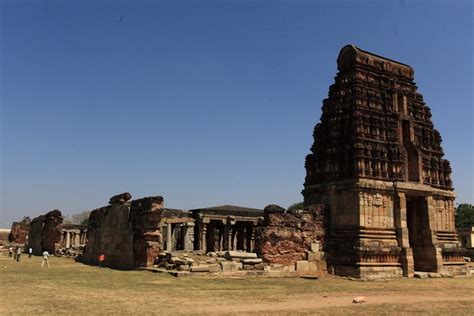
(377, 165)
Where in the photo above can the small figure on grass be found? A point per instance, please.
(30, 252)
(18, 254)
(101, 260)
(45, 255)
(10, 251)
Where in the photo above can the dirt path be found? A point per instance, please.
(312, 302)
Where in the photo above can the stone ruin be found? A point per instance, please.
(285, 243)
(45, 233)
(72, 240)
(293, 238)
(19, 232)
(225, 227)
(4, 236)
(377, 166)
(129, 233)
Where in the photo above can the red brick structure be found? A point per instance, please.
(285, 237)
(19, 232)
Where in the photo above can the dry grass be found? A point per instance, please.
(69, 287)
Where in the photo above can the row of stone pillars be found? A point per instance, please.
(72, 239)
(179, 236)
(218, 236)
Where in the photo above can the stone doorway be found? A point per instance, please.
(215, 236)
(418, 232)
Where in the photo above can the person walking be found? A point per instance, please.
(10, 251)
(15, 250)
(30, 252)
(101, 260)
(18, 254)
(45, 255)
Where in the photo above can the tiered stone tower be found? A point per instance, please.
(377, 165)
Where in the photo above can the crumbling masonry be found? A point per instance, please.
(129, 233)
(45, 233)
(19, 232)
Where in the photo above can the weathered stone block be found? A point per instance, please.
(252, 261)
(302, 266)
(230, 266)
(239, 254)
(213, 268)
(200, 268)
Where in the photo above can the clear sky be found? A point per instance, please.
(205, 103)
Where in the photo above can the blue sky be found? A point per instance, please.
(205, 103)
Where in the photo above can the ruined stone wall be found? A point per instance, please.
(145, 216)
(126, 232)
(287, 237)
(4, 235)
(45, 232)
(110, 232)
(35, 235)
(19, 232)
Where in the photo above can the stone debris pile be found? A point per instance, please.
(212, 262)
(71, 252)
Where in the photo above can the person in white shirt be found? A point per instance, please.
(30, 252)
(18, 254)
(45, 255)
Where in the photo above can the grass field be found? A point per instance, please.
(73, 288)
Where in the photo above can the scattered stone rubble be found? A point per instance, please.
(212, 262)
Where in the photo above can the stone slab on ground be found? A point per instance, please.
(229, 266)
(252, 261)
(239, 254)
(213, 268)
(420, 275)
(200, 268)
(434, 275)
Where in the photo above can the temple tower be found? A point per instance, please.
(377, 165)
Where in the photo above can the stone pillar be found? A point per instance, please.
(252, 238)
(68, 239)
(229, 236)
(244, 238)
(236, 234)
(400, 221)
(203, 237)
(168, 237)
(189, 237)
(431, 232)
(221, 237)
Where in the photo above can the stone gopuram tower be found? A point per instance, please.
(377, 166)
